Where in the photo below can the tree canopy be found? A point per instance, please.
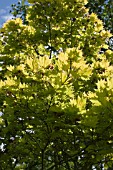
(56, 89)
(104, 10)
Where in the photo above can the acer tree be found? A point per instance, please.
(19, 10)
(56, 89)
(104, 11)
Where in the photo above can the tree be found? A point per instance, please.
(19, 10)
(56, 89)
(104, 10)
(104, 13)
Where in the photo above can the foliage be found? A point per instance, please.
(104, 10)
(56, 89)
(19, 10)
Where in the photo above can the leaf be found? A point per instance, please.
(44, 62)
(10, 81)
(64, 77)
(10, 68)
